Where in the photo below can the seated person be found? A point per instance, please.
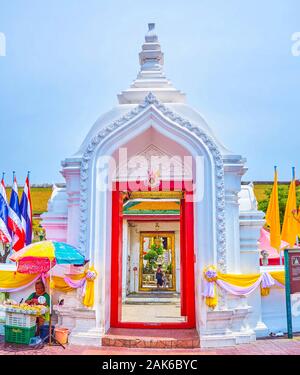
(40, 290)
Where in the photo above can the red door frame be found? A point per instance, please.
(187, 259)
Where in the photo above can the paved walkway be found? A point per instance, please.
(152, 312)
(278, 346)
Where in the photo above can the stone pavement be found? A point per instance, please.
(274, 346)
(155, 312)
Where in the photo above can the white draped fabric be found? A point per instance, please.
(265, 280)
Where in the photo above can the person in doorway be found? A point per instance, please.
(159, 276)
(40, 290)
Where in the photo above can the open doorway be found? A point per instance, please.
(152, 282)
(152, 275)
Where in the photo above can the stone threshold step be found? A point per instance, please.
(150, 300)
(139, 338)
(154, 295)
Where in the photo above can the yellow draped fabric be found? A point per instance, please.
(278, 276)
(264, 291)
(273, 217)
(238, 280)
(212, 301)
(58, 283)
(12, 279)
(298, 220)
(243, 281)
(88, 300)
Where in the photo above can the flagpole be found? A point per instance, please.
(9, 243)
(280, 253)
(50, 316)
(12, 234)
(12, 237)
(294, 177)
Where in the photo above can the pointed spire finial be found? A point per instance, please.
(151, 36)
(151, 76)
(151, 57)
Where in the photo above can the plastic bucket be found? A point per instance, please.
(61, 335)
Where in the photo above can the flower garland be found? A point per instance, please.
(86, 284)
(210, 273)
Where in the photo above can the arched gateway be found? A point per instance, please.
(152, 188)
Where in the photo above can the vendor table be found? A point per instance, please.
(20, 322)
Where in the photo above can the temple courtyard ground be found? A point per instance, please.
(152, 312)
(268, 346)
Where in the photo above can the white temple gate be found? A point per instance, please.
(152, 118)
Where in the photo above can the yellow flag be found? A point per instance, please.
(273, 217)
(290, 224)
(298, 219)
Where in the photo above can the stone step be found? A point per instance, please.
(150, 300)
(151, 338)
(156, 294)
(153, 297)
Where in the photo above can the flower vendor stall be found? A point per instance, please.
(35, 262)
(20, 322)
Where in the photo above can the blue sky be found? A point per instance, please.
(67, 59)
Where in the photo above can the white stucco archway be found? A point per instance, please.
(95, 230)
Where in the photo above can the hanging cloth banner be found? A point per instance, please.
(279, 277)
(12, 281)
(239, 285)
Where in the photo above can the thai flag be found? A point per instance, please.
(5, 236)
(26, 212)
(14, 219)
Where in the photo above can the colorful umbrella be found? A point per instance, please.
(39, 257)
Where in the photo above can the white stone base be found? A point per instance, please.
(81, 322)
(228, 339)
(261, 330)
(217, 341)
(245, 337)
(91, 337)
(227, 328)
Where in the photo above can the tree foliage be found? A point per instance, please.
(153, 253)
